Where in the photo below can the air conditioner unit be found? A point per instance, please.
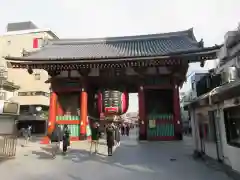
(230, 74)
(9, 108)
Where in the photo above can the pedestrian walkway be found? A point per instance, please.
(132, 160)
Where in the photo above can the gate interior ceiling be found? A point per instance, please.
(152, 65)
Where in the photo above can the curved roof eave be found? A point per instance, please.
(206, 51)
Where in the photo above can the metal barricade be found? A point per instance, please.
(8, 145)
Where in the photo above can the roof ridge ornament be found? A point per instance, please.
(201, 43)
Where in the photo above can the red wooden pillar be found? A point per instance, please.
(177, 112)
(59, 109)
(141, 111)
(51, 116)
(83, 113)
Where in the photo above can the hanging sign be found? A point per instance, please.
(152, 123)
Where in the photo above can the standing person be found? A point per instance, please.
(95, 136)
(122, 129)
(66, 138)
(29, 130)
(117, 135)
(25, 135)
(110, 138)
(127, 129)
(55, 138)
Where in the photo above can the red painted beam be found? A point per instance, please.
(68, 122)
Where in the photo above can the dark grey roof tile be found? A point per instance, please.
(134, 46)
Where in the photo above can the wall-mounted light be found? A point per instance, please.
(30, 71)
(202, 63)
(38, 108)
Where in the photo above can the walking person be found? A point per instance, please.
(110, 138)
(55, 138)
(117, 135)
(95, 136)
(122, 129)
(66, 138)
(127, 128)
(29, 131)
(25, 134)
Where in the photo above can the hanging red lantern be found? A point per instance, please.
(113, 102)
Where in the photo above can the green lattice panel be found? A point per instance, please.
(161, 129)
(74, 129)
(66, 117)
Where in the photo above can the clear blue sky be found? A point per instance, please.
(211, 19)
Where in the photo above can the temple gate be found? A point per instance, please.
(154, 66)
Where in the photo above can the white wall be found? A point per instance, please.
(231, 154)
(12, 44)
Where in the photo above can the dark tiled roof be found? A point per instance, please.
(119, 47)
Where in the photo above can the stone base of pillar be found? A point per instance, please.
(82, 137)
(179, 136)
(45, 140)
(142, 137)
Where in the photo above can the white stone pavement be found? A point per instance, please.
(132, 160)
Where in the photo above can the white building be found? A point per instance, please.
(215, 115)
(31, 91)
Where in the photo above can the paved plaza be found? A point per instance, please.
(131, 161)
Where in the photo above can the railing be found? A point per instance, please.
(8, 145)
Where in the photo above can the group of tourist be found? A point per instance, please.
(60, 138)
(112, 132)
(125, 129)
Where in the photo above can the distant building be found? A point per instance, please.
(20, 39)
(215, 112)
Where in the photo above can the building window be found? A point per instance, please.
(37, 76)
(24, 109)
(38, 42)
(232, 125)
(33, 93)
(3, 95)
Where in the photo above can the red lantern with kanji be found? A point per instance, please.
(113, 102)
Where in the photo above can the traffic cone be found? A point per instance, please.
(45, 140)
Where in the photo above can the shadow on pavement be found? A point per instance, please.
(42, 155)
(124, 156)
(4, 159)
(74, 177)
(46, 153)
(145, 159)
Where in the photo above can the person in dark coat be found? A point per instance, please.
(110, 138)
(127, 128)
(122, 129)
(56, 138)
(95, 136)
(66, 138)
